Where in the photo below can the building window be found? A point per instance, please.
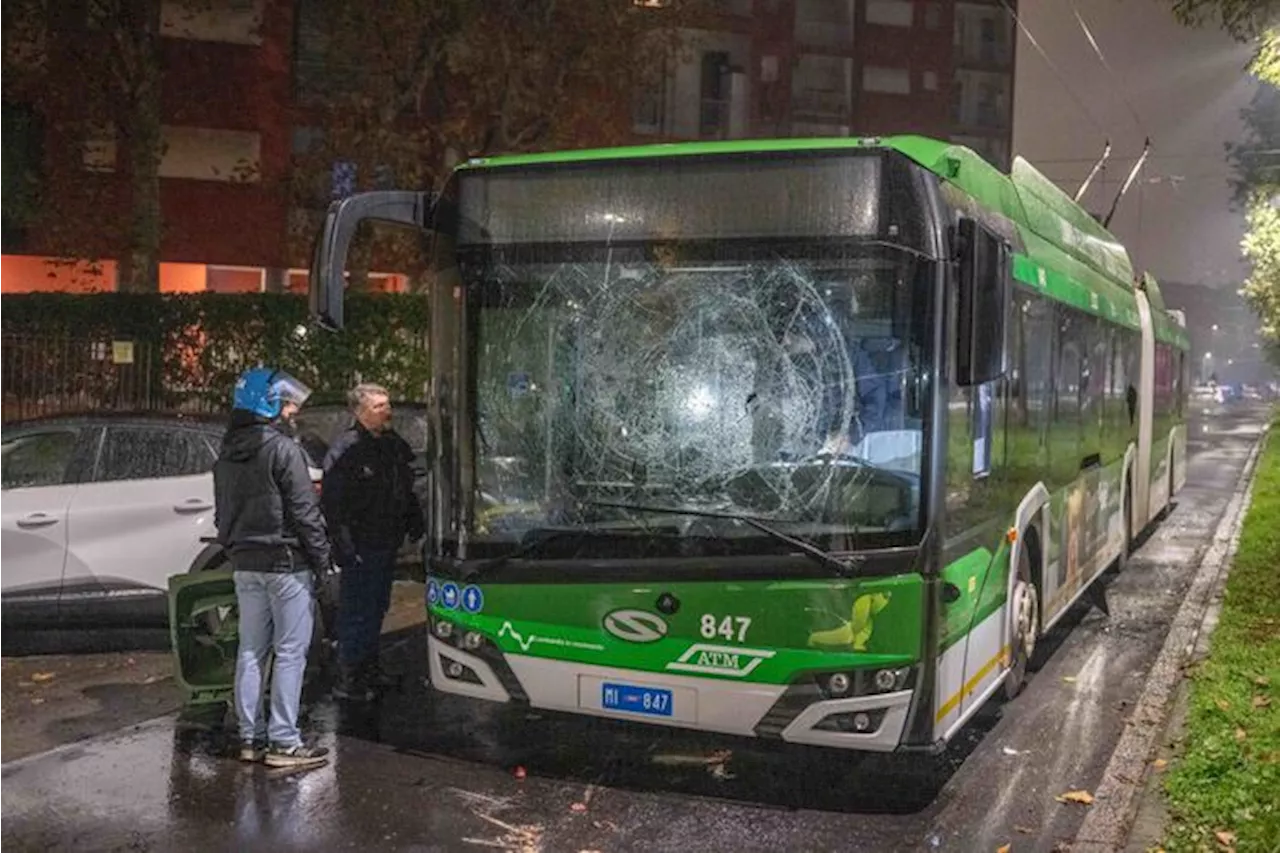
(207, 154)
(981, 99)
(892, 81)
(825, 23)
(23, 154)
(929, 80)
(319, 69)
(717, 77)
(890, 13)
(649, 111)
(227, 21)
(983, 35)
(235, 279)
(821, 87)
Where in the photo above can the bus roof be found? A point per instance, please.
(1067, 254)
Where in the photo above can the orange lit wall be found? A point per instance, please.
(31, 274)
(182, 278)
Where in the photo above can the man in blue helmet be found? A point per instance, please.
(269, 521)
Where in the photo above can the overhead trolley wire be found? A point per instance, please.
(1054, 68)
(1097, 49)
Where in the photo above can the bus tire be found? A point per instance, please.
(1024, 614)
(1126, 522)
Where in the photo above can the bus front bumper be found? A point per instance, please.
(873, 723)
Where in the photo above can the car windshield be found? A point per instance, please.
(783, 380)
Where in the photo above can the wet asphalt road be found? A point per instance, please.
(421, 772)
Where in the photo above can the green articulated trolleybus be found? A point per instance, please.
(808, 440)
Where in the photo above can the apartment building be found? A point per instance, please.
(242, 78)
(776, 68)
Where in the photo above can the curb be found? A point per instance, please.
(1107, 825)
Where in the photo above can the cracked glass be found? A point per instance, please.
(767, 363)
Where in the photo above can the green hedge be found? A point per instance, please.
(204, 340)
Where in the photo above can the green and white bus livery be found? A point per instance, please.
(798, 439)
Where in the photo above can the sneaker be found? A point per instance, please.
(296, 756)
(252, 751)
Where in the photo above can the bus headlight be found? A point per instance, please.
(891, 679)
(472, 640)
(839, 684)
(443, 629)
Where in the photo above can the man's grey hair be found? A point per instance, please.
(358, 396)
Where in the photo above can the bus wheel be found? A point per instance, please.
(1025, 614)
(1127, 525)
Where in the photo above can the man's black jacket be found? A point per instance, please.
(266, 510)
(368, 494)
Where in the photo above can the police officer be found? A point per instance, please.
(269, 521)
(371, 507)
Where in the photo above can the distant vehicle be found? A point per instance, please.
(98, 511)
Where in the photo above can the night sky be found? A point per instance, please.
(1187, 88)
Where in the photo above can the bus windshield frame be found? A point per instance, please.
(583, 337)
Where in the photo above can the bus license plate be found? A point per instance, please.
(636, 700)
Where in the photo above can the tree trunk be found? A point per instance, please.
(144, 141)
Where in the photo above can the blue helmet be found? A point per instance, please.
(264, 391)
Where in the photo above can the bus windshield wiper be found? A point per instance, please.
(844, 568)
(544, 536)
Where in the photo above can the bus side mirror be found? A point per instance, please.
(329, 260)
(984, 289)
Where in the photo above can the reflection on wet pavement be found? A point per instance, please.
(423, 771)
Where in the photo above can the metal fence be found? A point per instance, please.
(51, 375)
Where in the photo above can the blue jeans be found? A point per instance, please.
(363, 601)
(275, 612)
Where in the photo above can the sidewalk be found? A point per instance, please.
(1214, 776)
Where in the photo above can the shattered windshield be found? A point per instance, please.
(656, 351)
(783, 384)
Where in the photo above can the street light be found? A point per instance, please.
(1208, 356)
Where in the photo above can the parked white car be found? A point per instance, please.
(98, 511)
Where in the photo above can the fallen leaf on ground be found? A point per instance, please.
(1241, 734)
(1025, 830)
(36, 700)
(578, 807)
(1083, 797)
(1070, 679)
(1004, 848)
(41, 677)
(1225, 837)
(1261, 701)
(1223, 704)
(1159, 764)
(1262, 681)
(1008, 750)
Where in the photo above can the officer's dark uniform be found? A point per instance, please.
(370, 507)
